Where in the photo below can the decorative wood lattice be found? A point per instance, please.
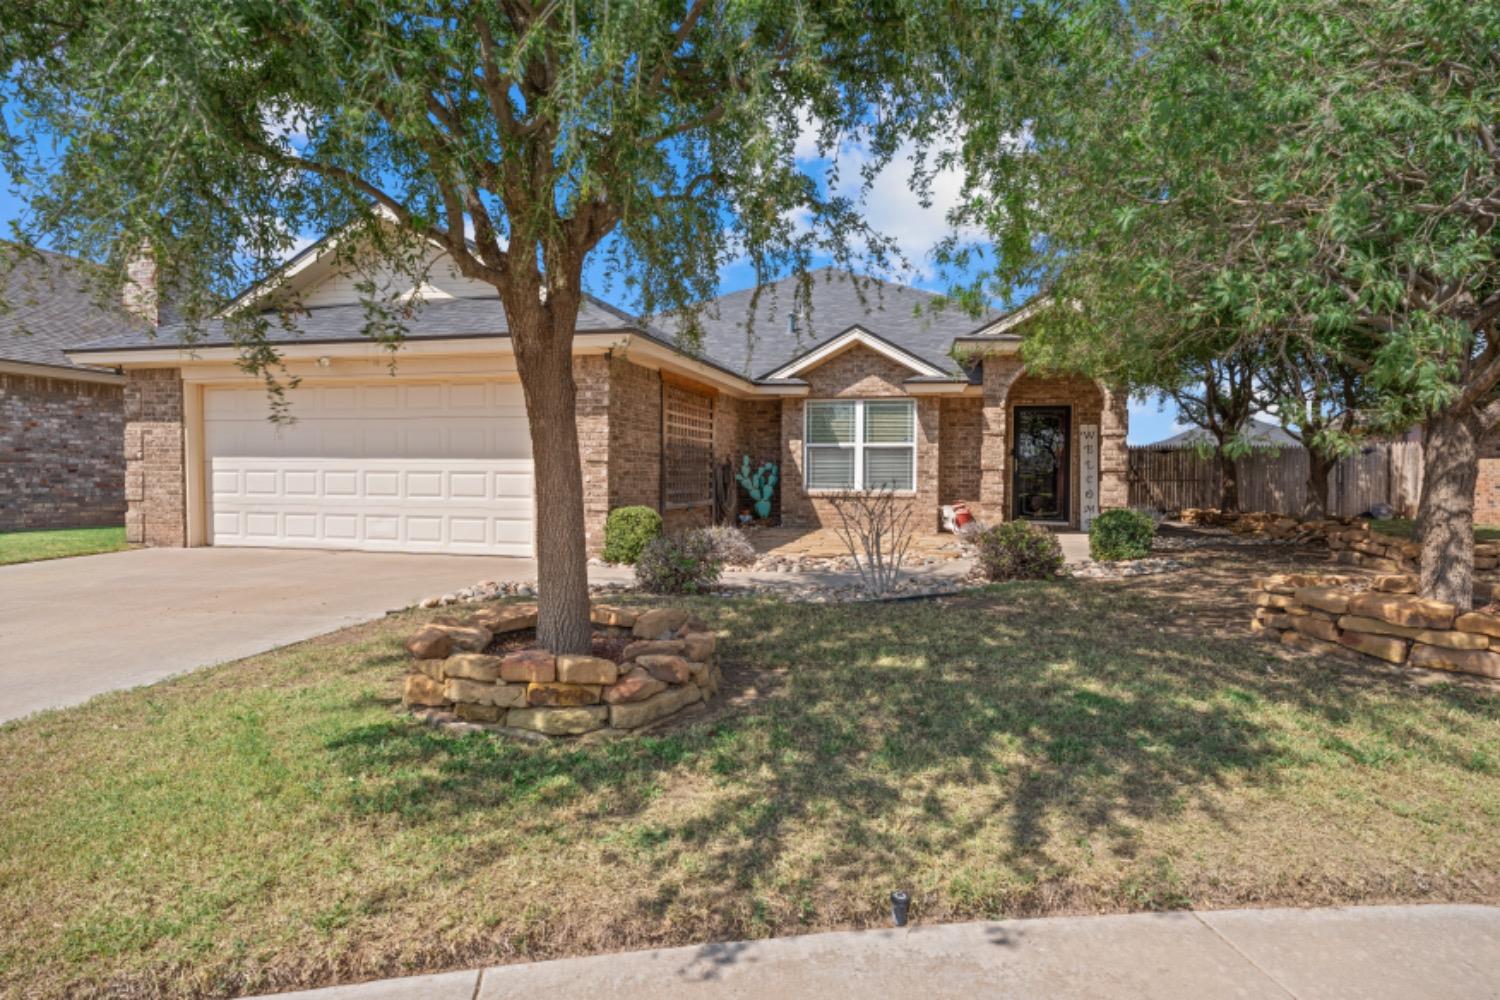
(687, 446)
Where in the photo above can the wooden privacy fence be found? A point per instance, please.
(1276, 480)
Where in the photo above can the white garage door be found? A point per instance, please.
(386, 467)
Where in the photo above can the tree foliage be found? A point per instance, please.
(1320, 177)
(522, 139)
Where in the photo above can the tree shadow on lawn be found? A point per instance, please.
(902, 732)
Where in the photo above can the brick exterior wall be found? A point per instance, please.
(1487, 486)
(858, 373)
(999, 373)
(962, 442)
(961, 423)
(591, 405)
(751, 427)
(1006, 386)
(62, 462)
(155, 484)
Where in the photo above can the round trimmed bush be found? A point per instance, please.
(626, 532)
(1018, 550)
(1121, 534)
(685, 563)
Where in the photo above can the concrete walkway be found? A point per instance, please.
(1368, 953)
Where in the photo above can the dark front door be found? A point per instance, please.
(1041, 463)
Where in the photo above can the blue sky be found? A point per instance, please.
(892, 209)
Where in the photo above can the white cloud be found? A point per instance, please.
(891, 203)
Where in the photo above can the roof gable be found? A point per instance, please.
(855, 336)
(750, 342)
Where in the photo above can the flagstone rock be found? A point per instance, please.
(1403, 609)
(1481, 622)
(1383, 647)
(559, 721)
(1328, 599)
(672, 669)
(633, 715)
(1469, 661)
(1375, 626)
(467, 638)
(699, 645)
(513, 618)
(659, 623)
(605, 614)
(572, 669)
(456, 689)
(530, 665)
(429, 643)
(1316, 626)
(472, 666)
(637, 685)
(419, 689)
(563, 695)
(478, 713)
(654, 647)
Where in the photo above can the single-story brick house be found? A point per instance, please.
(62, 463)
(860, 390)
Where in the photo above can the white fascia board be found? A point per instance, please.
(849, 338)
(61, 373)
(186, 354)
(1011, 320)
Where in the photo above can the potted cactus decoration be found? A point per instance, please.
(758, 484)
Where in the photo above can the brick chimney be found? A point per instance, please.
(140, 296)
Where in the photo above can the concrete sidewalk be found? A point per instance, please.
(1366, 953)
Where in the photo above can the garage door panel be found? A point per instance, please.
(432, 467)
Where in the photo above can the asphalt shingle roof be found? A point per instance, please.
(1259, 434)
(48, 306)
(431, 319)
(897, 313)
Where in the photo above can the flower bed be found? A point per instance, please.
(486, 672)
(1324, 613)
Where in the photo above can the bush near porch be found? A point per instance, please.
(1040, 748)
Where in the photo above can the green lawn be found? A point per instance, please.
(1035, 749)
(30, 546)
(1405, 527)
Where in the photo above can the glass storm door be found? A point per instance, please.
(1041, 463)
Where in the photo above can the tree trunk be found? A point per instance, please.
(1315, 505)
(544, 358)
(1445, 513)
(1229, 484)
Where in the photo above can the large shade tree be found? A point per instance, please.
(525, 139)
(1323, 173)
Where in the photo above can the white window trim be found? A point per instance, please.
(858, 445)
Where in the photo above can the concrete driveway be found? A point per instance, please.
(73, 628)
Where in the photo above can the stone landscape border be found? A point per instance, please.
(1324, 613)
(669, 663)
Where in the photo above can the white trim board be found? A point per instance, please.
(849, 338)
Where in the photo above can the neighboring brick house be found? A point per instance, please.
(62, 462)
(862, 389)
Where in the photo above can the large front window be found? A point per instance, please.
(862, 444)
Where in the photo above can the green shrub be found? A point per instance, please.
(626, 532)
(685, 563)
(1121, 534)
(1018, 550)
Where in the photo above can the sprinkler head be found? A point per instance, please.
(900, 901)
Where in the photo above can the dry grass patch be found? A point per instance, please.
(1038, 748)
